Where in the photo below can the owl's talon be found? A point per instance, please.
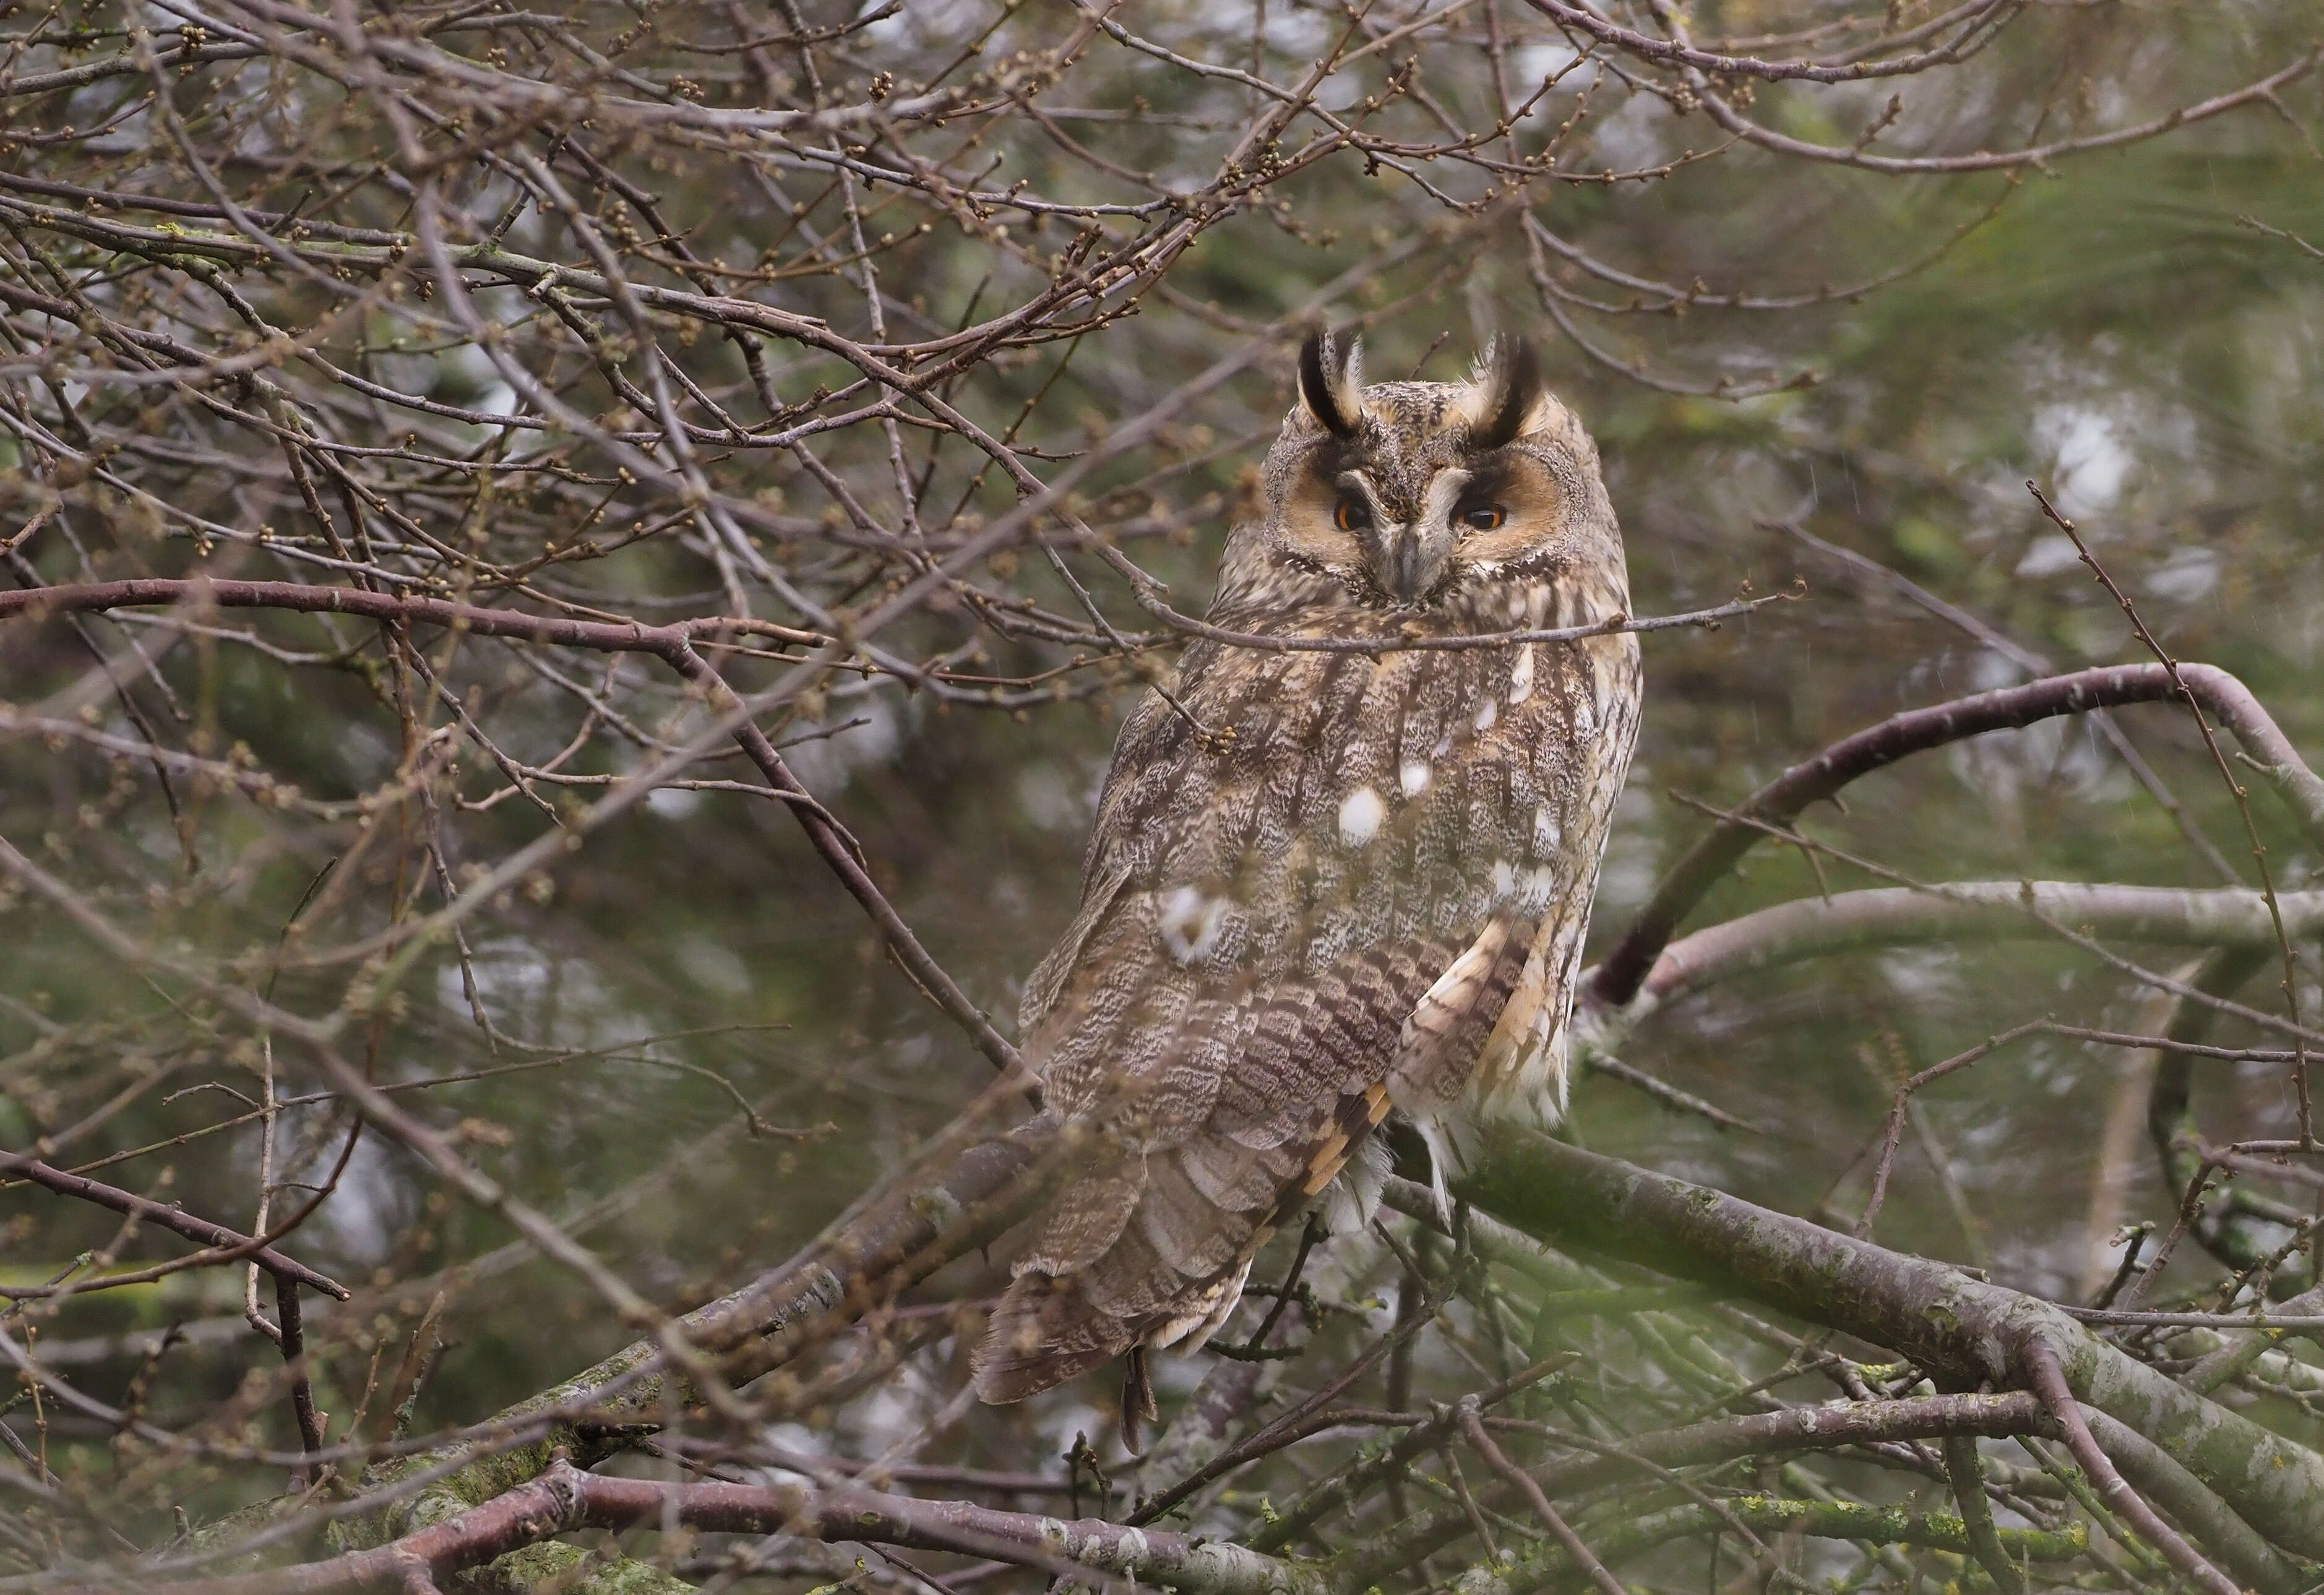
(1137, 1404)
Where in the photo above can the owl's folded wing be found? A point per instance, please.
(1151, 1248)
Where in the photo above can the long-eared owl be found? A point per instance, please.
(1328, 884)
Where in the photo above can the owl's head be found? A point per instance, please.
(1425, 496)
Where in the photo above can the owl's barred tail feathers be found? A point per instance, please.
(1044, 1332)
(1067, 1311)
(1153, 1253)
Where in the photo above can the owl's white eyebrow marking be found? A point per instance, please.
(1413, 777)
(1521, 675)
(1444, 492)
(1191, 922)
(1360, 813)
(1361, 483)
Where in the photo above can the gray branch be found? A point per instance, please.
(1945, 1321)
(1965, 911)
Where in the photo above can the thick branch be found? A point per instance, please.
(1721, 1440)
(1941, 1318)
(563, 1499)
(2040, 1367)
(2159, 1476)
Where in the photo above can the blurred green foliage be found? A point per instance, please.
(2106, 325)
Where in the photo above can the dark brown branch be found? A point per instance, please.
(230, 1245)
(291, 1324)
(563, 1499)
(2049, 1382)
(1473, 1430)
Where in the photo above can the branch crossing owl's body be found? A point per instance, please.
(1325, 885)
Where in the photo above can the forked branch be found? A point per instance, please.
(1624, 971)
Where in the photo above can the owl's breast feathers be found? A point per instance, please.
(1354, 881)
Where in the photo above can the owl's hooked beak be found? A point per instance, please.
(1407, 557)
(1410, 559)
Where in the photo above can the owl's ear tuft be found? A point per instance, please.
(1509, 394)
(1331, 382)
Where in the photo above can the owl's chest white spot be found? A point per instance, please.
(1413, 777)
(1361, 814)
(1487, 712)
(1546, 831)
(1521, 675)
(1191, 921)
(1534, 888)
(1528, 888)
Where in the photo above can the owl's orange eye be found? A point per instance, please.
(1352, 515)
(1484, 518)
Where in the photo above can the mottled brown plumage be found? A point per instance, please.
(1352, 882)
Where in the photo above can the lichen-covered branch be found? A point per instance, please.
(1935, 1314)
(1828, 1520)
